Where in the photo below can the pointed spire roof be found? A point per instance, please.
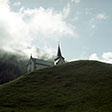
(31, 56)
(59, 51)
(59, 54)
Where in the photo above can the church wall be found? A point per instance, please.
(35, 66)
(38, 66)
(61, 61)
(30, 66)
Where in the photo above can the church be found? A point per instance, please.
(36, 64)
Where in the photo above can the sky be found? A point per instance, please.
(83, 28)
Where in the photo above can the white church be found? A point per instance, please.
(36, 64)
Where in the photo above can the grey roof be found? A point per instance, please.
(42, 62)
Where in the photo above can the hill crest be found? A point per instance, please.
(80, 86)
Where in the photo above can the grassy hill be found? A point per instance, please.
(81, 86)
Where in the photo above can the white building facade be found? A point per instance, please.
(36, 64)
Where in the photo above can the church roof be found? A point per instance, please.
(42, 62)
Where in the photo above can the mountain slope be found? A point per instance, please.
(81, 86)
(11, 66)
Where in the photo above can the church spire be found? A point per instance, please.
(31, 56)
(59, 59)
(59, 54)
(59, 51)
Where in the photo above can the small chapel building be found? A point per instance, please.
(36, 64)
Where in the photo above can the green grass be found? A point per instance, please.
(81, 86)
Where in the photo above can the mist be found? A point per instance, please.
(11, 66)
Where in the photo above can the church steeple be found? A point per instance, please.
(31, 56)
(59, 59)
(59, 51)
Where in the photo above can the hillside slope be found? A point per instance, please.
(11, 66)
(81, 86)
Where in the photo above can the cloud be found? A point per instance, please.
(93, 26)
(76, 1)
(101, 16)
(92, 23)
(93, 57)
(96, 19)
(28, 29)
(105, 57)
(66, 11)
(17, 4)
(4, 2)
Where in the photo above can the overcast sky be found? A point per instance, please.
(83, 27)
